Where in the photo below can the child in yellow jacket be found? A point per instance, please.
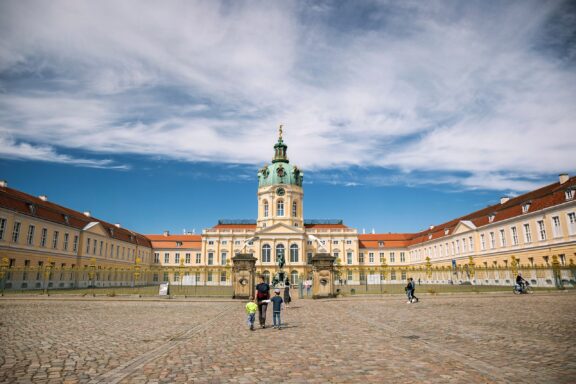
(251, 308)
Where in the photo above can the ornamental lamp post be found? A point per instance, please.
(92, 274)
(181, 272)
(196, 274)
(3, 268)
(47, 272)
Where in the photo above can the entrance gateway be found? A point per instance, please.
(280, 244)
(244, 276)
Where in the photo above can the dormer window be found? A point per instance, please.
(569, 193)
(380, 243)
(525, 207)
(491, 217)
(446, 231)
(430, 237)
(178, 243)
(32, 208)
(66, 219)
(111, 230)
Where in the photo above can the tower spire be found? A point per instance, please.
(280, 148)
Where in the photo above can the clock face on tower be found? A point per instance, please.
(280, 191)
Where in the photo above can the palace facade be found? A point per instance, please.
(534, 232)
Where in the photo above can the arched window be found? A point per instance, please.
(294, 277)
(265, 208)
(279, 251)
(266, 253)
(294, 209)
(294, 253)
(280, 208)
(266, 276)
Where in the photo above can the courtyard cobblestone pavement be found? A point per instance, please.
(471, 338)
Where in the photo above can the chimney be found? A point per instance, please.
(504, 199)
(431, 227)
(117, 225)
(3, 183)
(87, 213)
(43, 197)
(564, 178)
(166, 233)
(373, 231)
(363, 231)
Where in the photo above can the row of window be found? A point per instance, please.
(375, 278)
(31, 234)
(494, 239)
(309, 242)
(91, 244)
(194, 278)
(101, 248)
(371, 259)
(61, 274)
(266, 256)
(187, 258)
(527, 233)
(456, 247)
(210, 260)
(280, 208)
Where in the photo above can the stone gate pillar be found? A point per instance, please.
(243, 275)
(323, 276)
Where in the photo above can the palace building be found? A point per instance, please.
(534, 233)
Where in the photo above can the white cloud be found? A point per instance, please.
(23, 151)
(410, 87)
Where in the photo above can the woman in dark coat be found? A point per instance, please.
(287, 298)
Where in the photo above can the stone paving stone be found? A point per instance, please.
(443, 339)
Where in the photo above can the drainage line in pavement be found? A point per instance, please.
(118, 374)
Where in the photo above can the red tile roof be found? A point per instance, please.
(171, 241)
(174, 237)
(542, 198)
(21, 202)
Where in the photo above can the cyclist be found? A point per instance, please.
(521, 283)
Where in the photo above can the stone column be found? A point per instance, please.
(323, 276)
(243, 275)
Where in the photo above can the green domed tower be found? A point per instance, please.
(280, 191)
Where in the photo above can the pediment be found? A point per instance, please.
(280, 229)
(96, 228)
(464, 226)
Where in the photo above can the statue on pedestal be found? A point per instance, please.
(280, 275)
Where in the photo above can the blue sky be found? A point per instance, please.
(401, 114)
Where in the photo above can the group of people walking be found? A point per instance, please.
(410, 289)
(262, 297)
(259, 302)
